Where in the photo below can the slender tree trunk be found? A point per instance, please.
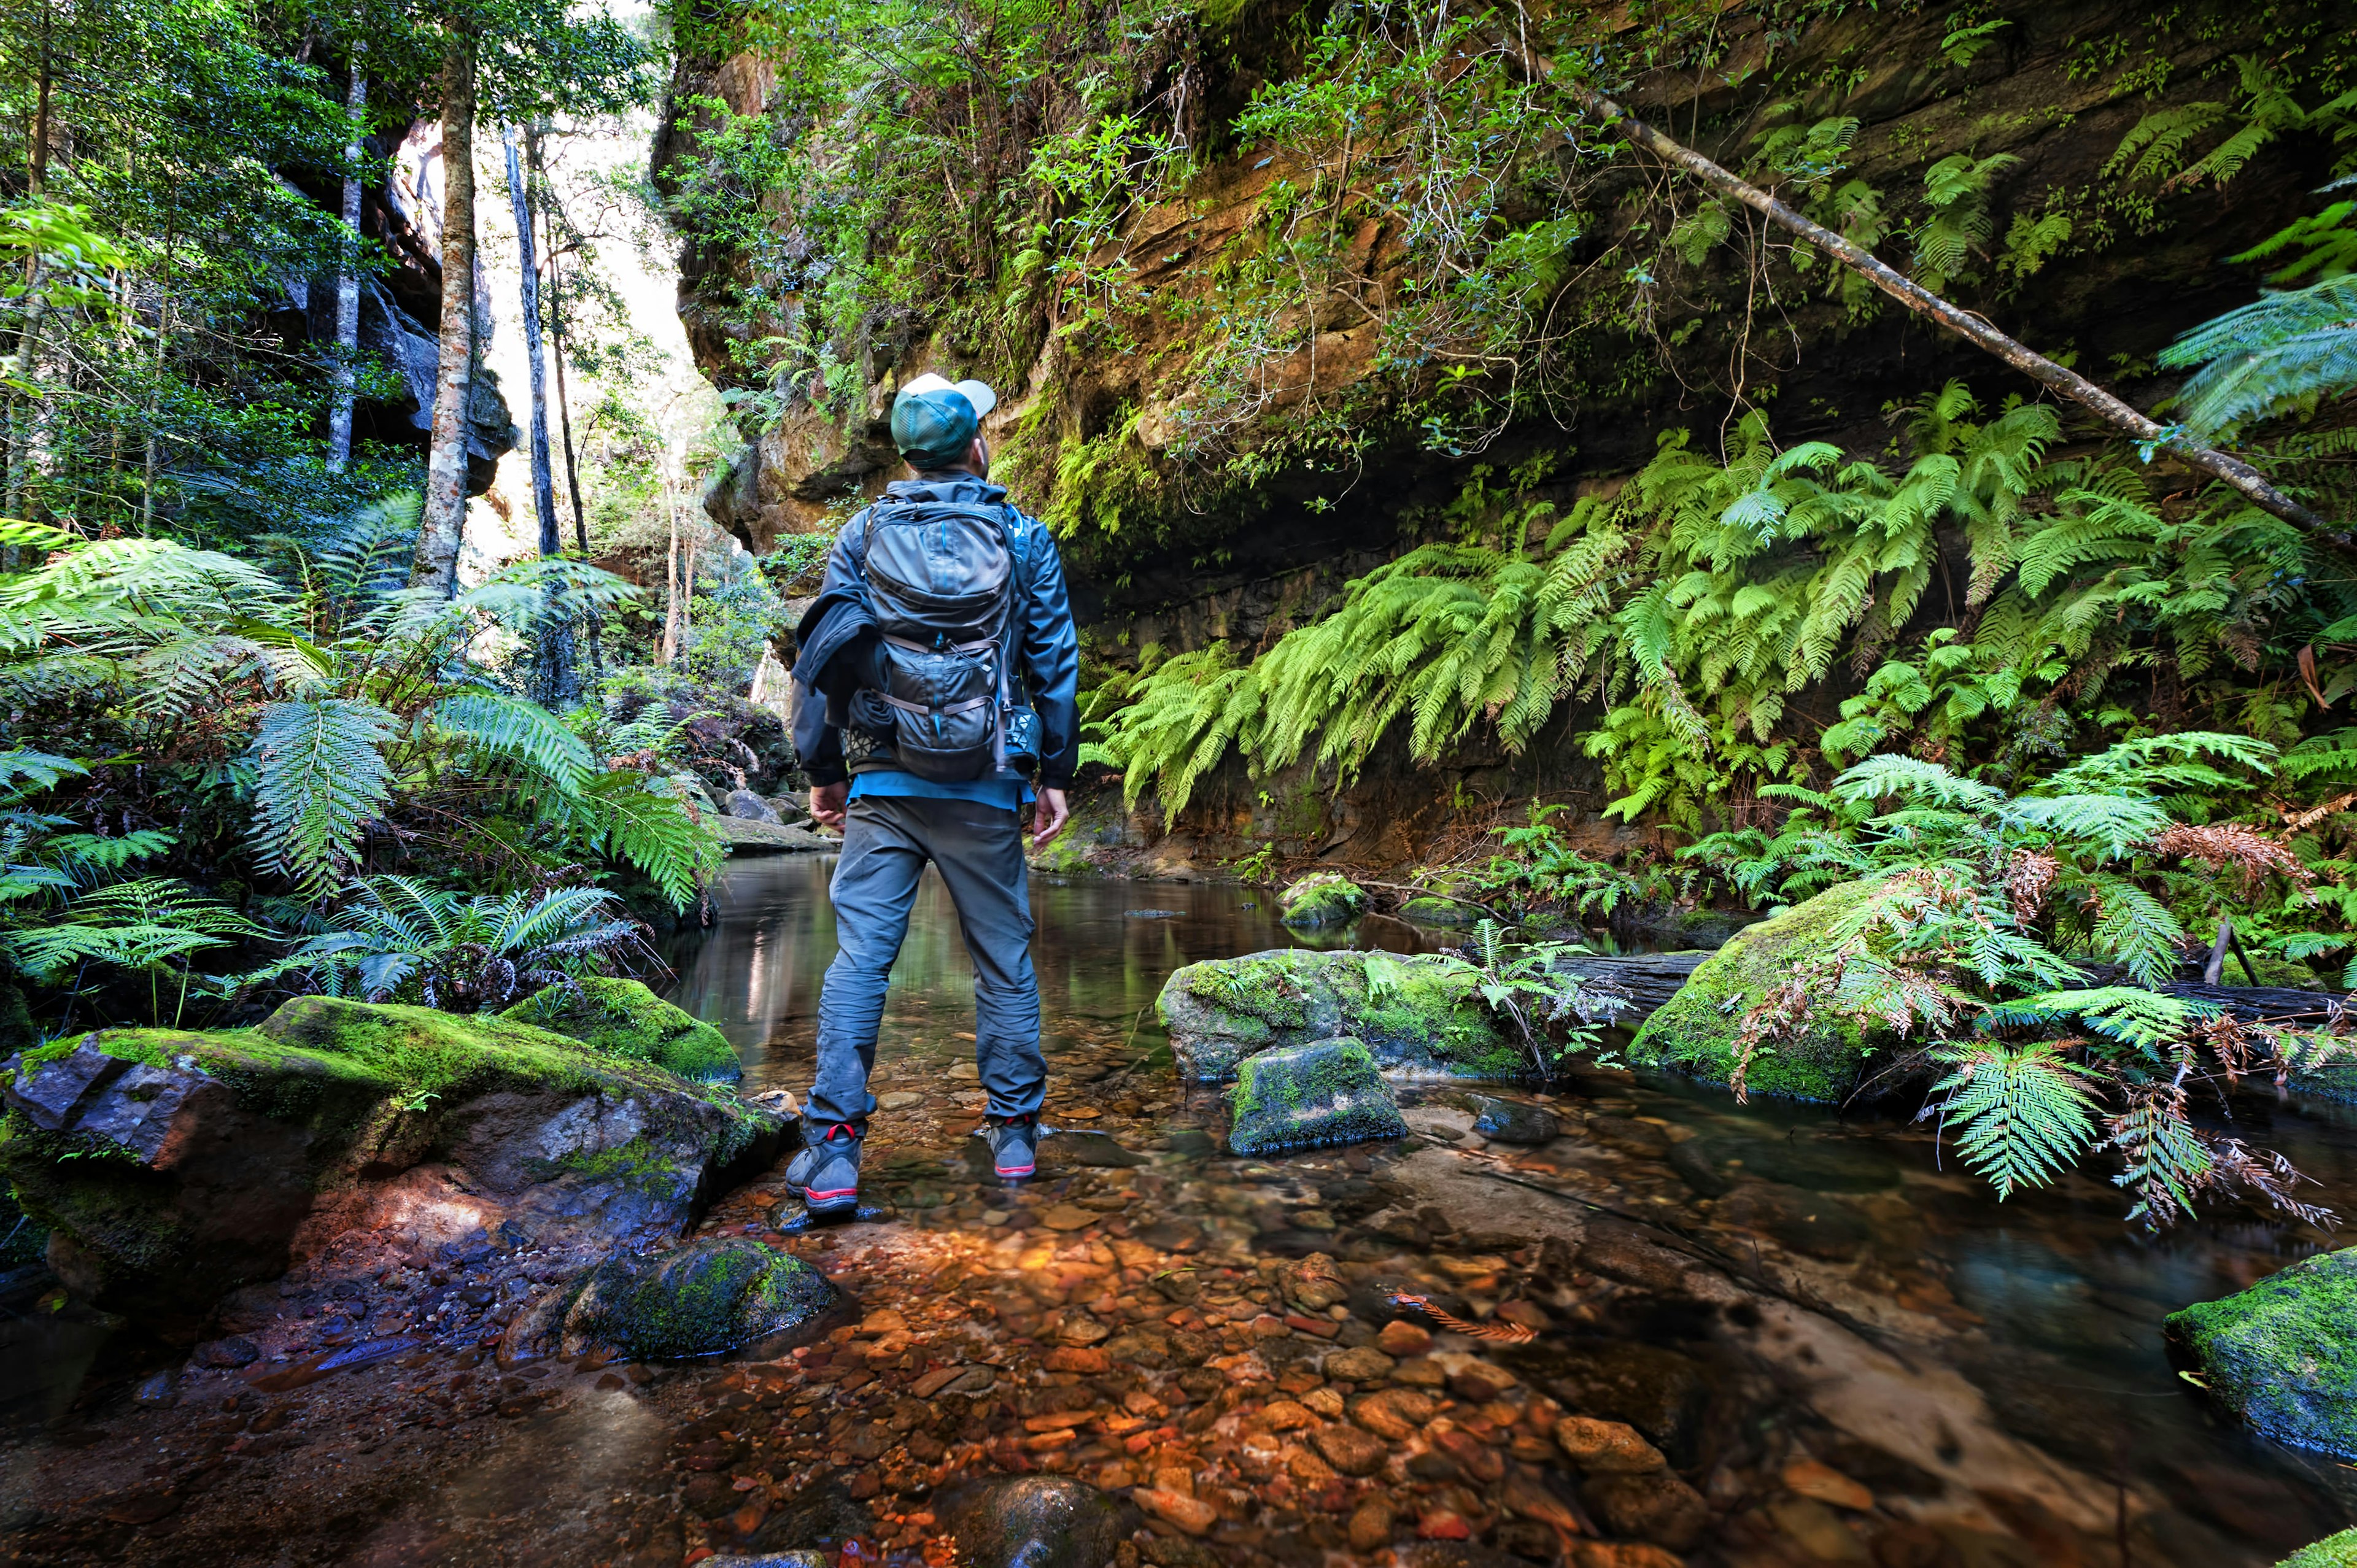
(37, 179)
(553, 671)
(2238, 475)
(436, 561)
(565, 411)
(348, 280)
(36, 149)
(671, 573)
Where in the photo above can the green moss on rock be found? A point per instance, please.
(1308, 1096)
(2333, 1552)
(1418, 1014)
(1443, 912)
(623, 1018)
(2283, 1354)
(1320, 899)
(1694, 1031)
(708, 1298)
(190, 1172)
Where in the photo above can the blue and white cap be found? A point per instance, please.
(934, 420)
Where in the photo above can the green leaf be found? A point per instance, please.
(320, 778)
(2023, 1113)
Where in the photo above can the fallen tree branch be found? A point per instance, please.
(2223, 466)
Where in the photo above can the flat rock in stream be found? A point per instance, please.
(1511, 1121)
(711, 1298)
(1308, 1096)
(1034, 1522)
(2283, 1354)
(746, 836)
(1418, 1014)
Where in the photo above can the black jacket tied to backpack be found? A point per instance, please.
(944, 610)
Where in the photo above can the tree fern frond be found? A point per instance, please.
(1911, 777)
(2024, 1113)
(520, 731)
(2287, 350)
(320, 778)
(650, 827)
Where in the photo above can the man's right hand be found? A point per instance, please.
(827, 804)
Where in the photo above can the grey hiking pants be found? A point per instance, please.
(886, 840)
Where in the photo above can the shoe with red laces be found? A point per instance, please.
(827, 1171)
(1015, 1147)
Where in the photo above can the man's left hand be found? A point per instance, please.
(1048, 817)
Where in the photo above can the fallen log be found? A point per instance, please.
(1624, 989)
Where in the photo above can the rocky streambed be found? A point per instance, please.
(1627, 1322)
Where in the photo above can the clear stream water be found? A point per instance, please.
(1887, 1318)
(2053, 1305)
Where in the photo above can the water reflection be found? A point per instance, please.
(2048, 1304)
(1102, 953)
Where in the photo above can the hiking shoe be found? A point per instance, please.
(1015, 1147)
(827, 1171)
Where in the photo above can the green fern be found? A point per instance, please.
(510, 729)
(647, 822)
(400, 938)
(2286, 353)
(2146, 1020)
(320, 778)
(2023, 1113)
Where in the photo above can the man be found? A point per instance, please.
(872, 707)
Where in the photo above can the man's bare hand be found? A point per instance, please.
(1048, 818)
(827, 804)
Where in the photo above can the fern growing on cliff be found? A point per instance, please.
(1696, 601)
(2286, 353)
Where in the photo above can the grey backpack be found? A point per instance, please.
(941, 585)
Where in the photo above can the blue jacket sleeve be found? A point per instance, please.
(828, 668)
(1052, 660)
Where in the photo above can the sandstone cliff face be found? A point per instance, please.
(1103, 429)
(401, 313)
(2051, 89)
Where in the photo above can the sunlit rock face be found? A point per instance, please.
(173, 1166)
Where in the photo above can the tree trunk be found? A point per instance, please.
(436, 561)
(348, 282)
(565, 415)
(671, 575)
(2237, 474)
(37, 149)
(557, 681)
(37, 179)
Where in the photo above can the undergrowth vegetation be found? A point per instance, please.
(209, 753)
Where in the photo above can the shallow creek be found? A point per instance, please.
(1846, 1353)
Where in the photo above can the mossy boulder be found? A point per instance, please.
(2283, 1354)
(1446, 913)
(711, 1298)
(1305, 1096)
(1418, 1014)
(1320, 899)
(172, 1166)
(623, 1018)
(2333, 1552)
(1694, 1032)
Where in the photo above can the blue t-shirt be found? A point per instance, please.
(1010, 793)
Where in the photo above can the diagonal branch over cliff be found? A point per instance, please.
(2224, 466)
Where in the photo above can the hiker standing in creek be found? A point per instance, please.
(936, 687)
